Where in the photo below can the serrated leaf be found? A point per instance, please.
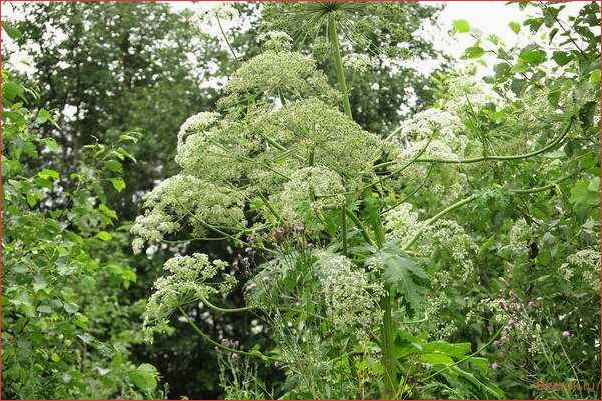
(44, 309)
(437, 359)
(401, 272)
(561, 58)
(12, 90)
(457, 350)
(50, 144)
(582, 195)
(11, 30)
(533, 55)
(114, 165)
(118, 183)
(127, 138)
(31, 199)
(39, 283)
(43, 116)
(594, 185)
(534, 24)
(70, 307)
(110, 213)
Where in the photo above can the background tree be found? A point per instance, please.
(115, 67)
(67, 323)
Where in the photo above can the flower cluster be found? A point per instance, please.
(449, 245)
(152, 227)
(445, 242)
(216, 151)
(186, 282)
(308, 193)
(358, 62)
(275, 40)
(438, 133)
(351, 300)
(519, 326)
(185, 198)
(466, 91)
(196, 124)
(202, 14)
(519, 237)
(321, 135)
(285, 74)
(401, 222)
(583, 267)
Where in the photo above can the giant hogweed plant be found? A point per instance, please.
(356, 244)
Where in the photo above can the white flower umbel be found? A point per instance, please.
(186, 281)
(186, 199)
(197, 124)
(358, 62)
(275, 40)
(351, 300)
(204, 13)
(582, 269)
(152, 227)
(284, 74)
(310, 191)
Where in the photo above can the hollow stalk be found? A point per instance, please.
(335, 47)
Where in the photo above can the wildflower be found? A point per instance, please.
(584, 264)
(186, 281)
(203, 14)
(275, 40)
(566, 334)
(286, 73)
(308, 194)
(197, 124)
(348, 294)
(358, 62)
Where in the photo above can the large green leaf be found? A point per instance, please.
(401, 272)
(144, 377)
(533, 55)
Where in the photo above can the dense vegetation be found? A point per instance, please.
(328, 224)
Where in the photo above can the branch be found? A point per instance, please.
(359, 225)
(552, 145)
(469, 199)
(222, 346)
(219, 24)
(225, 310)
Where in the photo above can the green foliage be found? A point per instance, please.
(403, 274)
(59, 290)
(317, 254)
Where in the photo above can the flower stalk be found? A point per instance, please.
(333, 39)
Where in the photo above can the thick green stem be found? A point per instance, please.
(338, 62)
(388, 345)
